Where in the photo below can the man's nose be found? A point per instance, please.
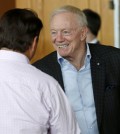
(59, 36)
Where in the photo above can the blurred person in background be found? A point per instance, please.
(94, 25)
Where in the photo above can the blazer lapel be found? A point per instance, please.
(57, 70)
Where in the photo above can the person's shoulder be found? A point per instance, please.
(41, 77)
(50, 55)
(102, 49)
(44, 83)
(37, 73)
(109, 47)
(45, 60)
(110, 51)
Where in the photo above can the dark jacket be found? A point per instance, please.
(105, 71)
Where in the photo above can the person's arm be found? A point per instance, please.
(62, 119)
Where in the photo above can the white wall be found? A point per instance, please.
(117, 23)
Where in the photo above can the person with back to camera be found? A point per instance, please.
(94, 25)
(31, 102)
(88, 73)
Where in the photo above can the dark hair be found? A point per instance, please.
(94, 21)
(18, 27)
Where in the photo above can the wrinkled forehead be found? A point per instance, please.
(64, 19)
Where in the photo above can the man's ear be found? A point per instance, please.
(84, 32)
(32, 49)
(34, 44)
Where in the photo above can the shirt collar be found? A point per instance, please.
(88, 55)
(13, 56)
(94, 41)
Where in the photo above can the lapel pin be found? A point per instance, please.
(98, 63)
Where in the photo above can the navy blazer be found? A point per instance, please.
(105, 72)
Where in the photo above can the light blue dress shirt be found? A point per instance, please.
(79, 90)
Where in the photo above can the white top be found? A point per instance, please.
(30, 100)
(94, 41)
